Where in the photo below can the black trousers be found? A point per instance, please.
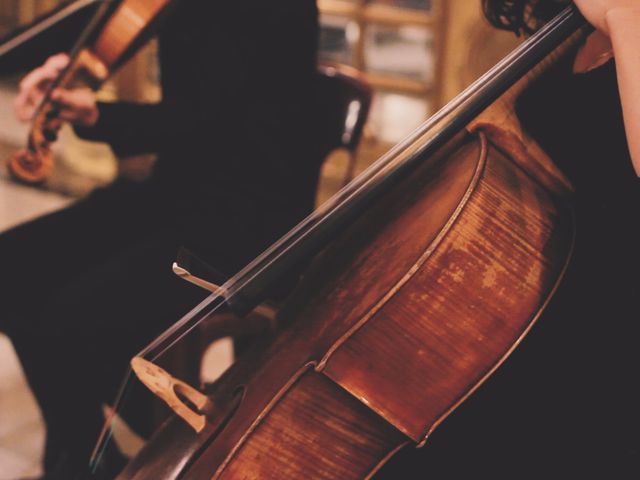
(84, 289)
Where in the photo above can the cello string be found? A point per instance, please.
(430, 134)
(456, 114)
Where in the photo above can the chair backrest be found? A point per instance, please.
(345, 98)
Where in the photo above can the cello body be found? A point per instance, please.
(397, 321)
(394, 325)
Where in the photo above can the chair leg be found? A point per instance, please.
(351, 168)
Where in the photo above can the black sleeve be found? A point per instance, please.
(137, 128)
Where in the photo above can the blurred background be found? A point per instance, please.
(416, 55)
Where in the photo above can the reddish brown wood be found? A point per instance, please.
(441, 330)
(408, 312)
(399, 319)
(318, 418)
(269, 373)
(129, 26)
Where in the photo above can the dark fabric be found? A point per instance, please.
(87, 287)
(565, 404)
(238, 83)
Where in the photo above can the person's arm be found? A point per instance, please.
(624, 27)
(137, 128)
(620, 20)
(130, 128)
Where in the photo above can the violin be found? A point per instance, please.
(428, 270)
(116, 30)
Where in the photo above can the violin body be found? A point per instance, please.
(119, 35)
(394, 325)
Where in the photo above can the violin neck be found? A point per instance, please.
(85, 70)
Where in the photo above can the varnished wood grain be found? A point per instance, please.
(313, 433)
(465, 308)
(408, 311)
(400, 318)
(127, 27)
(324, 309)
(501, 124)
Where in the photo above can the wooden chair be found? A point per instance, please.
(344, 103)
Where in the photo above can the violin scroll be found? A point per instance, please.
(31, 165)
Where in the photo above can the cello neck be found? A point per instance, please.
(502, 126)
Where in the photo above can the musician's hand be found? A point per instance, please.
(620, 20)
(597, 11)
(77, 106)
(34, 85)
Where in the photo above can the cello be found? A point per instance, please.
(113, 34)
(428, 270)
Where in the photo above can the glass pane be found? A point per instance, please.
(338, 36)
(393, 116)
(400, 51)
(424, 5)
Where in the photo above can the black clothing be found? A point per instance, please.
(237, 81)
(89, 286)
(565, 404)
(86, 288)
